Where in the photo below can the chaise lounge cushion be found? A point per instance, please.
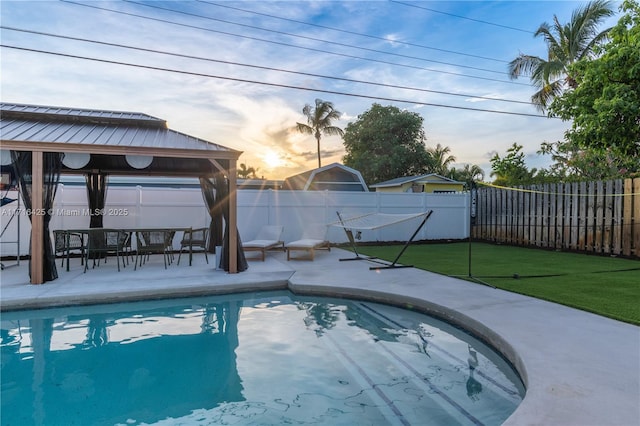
(313, 238)
(269, 237)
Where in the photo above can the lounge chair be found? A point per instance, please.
(268, 238)
(314, 237)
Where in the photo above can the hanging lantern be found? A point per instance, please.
(5, 157)
(139, 161)
(75, 160)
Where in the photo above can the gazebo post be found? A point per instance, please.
(233, 218)
(37, 218)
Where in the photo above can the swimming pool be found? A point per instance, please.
(253, 358)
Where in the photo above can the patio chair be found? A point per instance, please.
(268, 238)
(152, 242)
(65, 242)
(194, 238)
(118, 242)
(102, 242)
(169, 234)
(127, 246)
(314, 237)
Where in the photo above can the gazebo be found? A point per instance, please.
(46, 141)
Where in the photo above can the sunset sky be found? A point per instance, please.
(238, 73)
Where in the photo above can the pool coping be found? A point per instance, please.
(579, 368)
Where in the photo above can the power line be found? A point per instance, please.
(181, 55)
(294, 46)
(462, 17)
(353, 32)
(310, 38)
(285, 86)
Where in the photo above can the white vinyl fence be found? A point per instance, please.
(144, 207)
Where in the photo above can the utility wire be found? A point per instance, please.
(294, 46)
(224, 21)
(181, 55)
(353, 32)
(286, 86)
(461, 17)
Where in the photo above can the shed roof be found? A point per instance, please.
(109, 136)
(334, 176)
(430, 177)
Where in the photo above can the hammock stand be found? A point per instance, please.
(348, 229)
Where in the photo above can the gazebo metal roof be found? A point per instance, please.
(110, 135)
(70, 113)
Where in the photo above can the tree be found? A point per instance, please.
(319, 121)
(566, 44)
(385, 143)
(605, 105)
(572, 163)
(469, 173)
(511, 170)
(440, 159)
(245, 172)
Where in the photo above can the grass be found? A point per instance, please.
(606, 286)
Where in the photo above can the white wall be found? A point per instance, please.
(136, 207)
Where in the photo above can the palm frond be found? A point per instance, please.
(303, 128)
(550, 33)
(543, 97)
(600, 38)
(333, 131)
(523, 65)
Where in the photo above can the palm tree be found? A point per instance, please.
(440, 159)
(468, 174)
(319, 122)
(245, 173)
(566, 44)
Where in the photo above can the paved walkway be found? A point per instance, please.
(579, 368)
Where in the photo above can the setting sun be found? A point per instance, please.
(273, 159)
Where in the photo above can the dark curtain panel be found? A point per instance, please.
(96, 197)
(52, 163)
(208, 188)
(52, 166)
(222, 197)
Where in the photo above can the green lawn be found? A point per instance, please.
(607, 286)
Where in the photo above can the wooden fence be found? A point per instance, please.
(594, 217)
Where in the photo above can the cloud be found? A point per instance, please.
(258, 119)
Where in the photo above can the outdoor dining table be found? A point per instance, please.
(91, 238)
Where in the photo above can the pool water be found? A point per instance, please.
(255, 358)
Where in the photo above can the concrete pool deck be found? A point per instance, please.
(579, 368)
